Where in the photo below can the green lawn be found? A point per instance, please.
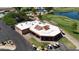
(63, 22)
(67, 43)
(65, 9)
(34, 41)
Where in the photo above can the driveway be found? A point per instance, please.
(8, 33)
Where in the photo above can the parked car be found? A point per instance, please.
(34, 47)
(3, 43)
(39, 48)
(56, 45)
(13, 27)
(50, 46)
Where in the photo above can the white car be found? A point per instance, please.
(56, 44)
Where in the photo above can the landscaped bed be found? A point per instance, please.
(65, 9)
(44, 45)
(35, 42)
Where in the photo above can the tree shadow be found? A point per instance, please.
(75, 32)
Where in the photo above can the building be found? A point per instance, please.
(41, 10)
(42, 30)
(6, 9)
(23, 28)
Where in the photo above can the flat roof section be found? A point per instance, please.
(45, 29)
(26, 25)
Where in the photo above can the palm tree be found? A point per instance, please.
(49, 9)
(21, 11)
(24, 11)
(17, 9)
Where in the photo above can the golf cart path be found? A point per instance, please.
(72, 39)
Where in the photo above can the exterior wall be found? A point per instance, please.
(34, 34)
(26, 31)
(48, 38)
(55, 38)
(22, 32)
(18, 30)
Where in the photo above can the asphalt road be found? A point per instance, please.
(7, 33)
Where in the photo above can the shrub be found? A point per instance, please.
(9, 19)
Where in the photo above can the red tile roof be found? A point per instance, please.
(46, 27)
(38, 27)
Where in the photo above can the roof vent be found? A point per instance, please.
(38, 27)
(46, 27)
